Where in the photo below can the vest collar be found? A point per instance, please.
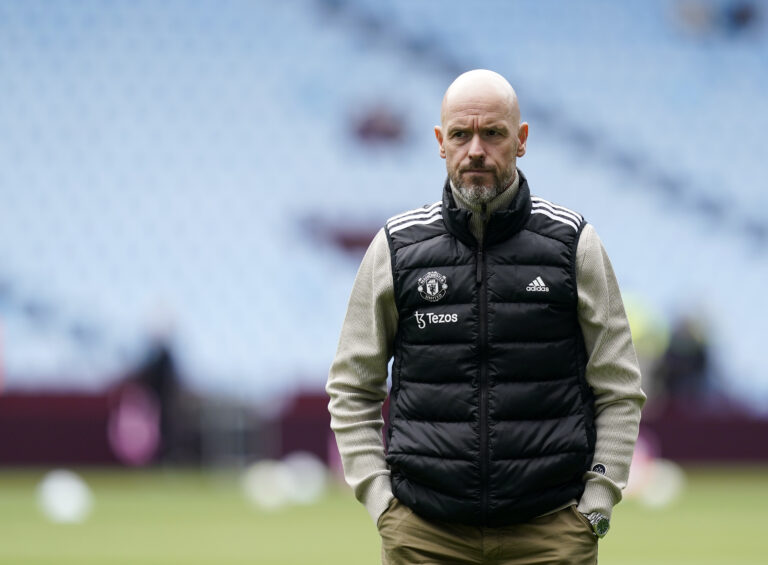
(502, 224)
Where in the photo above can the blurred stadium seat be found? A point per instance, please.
(163, 160)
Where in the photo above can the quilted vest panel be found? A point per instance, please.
(491, 418)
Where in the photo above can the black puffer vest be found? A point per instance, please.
(491, 418)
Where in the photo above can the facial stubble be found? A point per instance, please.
(478, 194)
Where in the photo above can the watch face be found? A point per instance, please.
(601, 528)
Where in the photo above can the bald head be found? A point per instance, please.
(481, 85)
(480, 135)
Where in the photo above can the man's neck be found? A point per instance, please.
(498, 202)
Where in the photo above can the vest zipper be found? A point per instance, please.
(483, 283)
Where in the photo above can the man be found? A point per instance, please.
(515, 398)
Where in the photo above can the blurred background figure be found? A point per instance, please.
(684, 369)
(730, 18)
(149, 415)
(379, 125)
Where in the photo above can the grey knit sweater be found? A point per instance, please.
(357, 382)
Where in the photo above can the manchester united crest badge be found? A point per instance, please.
(432, 286)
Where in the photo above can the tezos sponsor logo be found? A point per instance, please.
(422, 319)
(432, 286)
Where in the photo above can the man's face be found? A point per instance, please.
(480, 140)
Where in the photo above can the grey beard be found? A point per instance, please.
(477, 194)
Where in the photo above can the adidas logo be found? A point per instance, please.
(537, 285)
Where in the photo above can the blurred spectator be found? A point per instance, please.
(146, 411)
(158, 375)
(380, 125)
(737, 17)
(729, 18)
(684, 368)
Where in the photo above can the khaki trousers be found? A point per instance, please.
(561, 538)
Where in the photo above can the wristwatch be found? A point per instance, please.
(600, 524)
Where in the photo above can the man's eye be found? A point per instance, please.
(458, 134)
(491, 132)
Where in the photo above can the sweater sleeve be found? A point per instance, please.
(357, 381)
(612, 372)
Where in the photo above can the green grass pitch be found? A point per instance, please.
(190, 518)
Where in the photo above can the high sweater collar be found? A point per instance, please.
(499, 202)
(503, 216)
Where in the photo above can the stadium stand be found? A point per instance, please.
(164, 161)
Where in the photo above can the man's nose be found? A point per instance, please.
(476, 149)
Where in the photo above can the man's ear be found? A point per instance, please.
(439, 136)
(522, 138)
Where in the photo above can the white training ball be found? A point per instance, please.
(309, 477)
(267, 484)
(666, 485)
(64, 497)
